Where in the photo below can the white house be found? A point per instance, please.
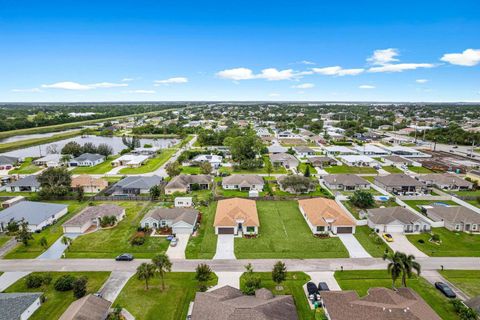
(183, 202)
(37, 214)
(214, 160)
(87, 160)
(130, 160)
(181, 220)
(338, 150)
(358, 160)
(371, 150)
(51, 160)
(243, 182)
(396, 220)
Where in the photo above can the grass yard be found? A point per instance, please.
(293, 285)
(303, 166)
(262, 170)
(466, 280)
(475, 193)
(51, 233)
(155, 304)
(350, 170)
(283, 233)
(361, 281)
(419, 169)
(190, 170)
(355, 211)
(27, 167)
(370, 241)
(108, 243)
(474, 203)
(101, 168)
(414, 204)
(392, 169)
(453, 244)
(57, 302)
(3, 239)
(204, 245)
(151, 164)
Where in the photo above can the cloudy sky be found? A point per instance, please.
(239, 50)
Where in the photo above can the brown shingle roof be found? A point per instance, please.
(87, 181)
(247, 179)
(183, 181)
(322, 212)
(230, 210)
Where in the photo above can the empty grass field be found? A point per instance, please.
(466, 280)
(151, 164)
(204, 244)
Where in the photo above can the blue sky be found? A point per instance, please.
(239, 50)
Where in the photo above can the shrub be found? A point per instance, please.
(362, 199)
(138, 239)
(33, 281)
(64, 283)
(80, 287)
(47, 279)
(421, 241)
(435, 237)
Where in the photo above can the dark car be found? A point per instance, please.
(323, 286)
(445, 289)
(124, 257)
(312, 288)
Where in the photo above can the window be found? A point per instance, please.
(250, 229)
(320, 228)
(146, 225)
(474, 227)
(457, 227)
(163, 223)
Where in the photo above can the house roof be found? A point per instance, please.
(85, 180)
(89, 307)
(397, 159)
(276, 149)
(28, 181)
(228, 303)
(188, 215)
(139, 182)
(391, 214)
(370, 148)
(89, 157)
(243, 179)
(93, 212)
(183, 181)
(33, 212)
(345, 179)
(339, 149)
(378, 304)
(357, 158)
(324, 212)
(7, 160)
(14, 304)
(398, 180)
(315, 160)
(302, 149)
(282, 157)
(231, 210)
(445, 179)
(455, 214)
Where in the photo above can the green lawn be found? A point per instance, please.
(371, 241)
(3, 239)
(57, 302)
(392, 169)
(419, 169)
(351, 170)
(355, 211)
(292, 286)
(109, 243)
(155, 304)
(474, 203)
(190, 170)
(303, 166)
(283, 233)
(51, 233)
(101, 168)
(151, 164)
(371, 190)
(262, 170)
(414, 204)
(475, 193)
(27, 167)
(204, 245)
(361, 281)
(454, 244)
(466, 280)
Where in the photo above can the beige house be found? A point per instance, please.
(236, 216)
(89, 307)
(91, 216)
(89, 184)
(185, 183)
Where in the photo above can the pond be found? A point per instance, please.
(21, 137)
(115, 142)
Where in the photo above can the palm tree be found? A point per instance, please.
(395, 266)
(66, 241)
(409, 264)
(145, 271)
(162, 265)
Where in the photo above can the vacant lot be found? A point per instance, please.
(204, 245)
(284, 233)
(361, 281)
(453, 244)
(57, 302)
(370, 241)
(466, 280)
(27, 167)
(351, 170)
(151, 164)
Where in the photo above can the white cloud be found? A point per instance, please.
(271, 74)
(107, 85)
(384, 56)
(171, 81)
(307, 62)
(127, 79)
(236, 74)
(400, 67)
(142, 91)
(421, 80)
(27, 90)
(337, 71)
(366, 86)
(467, 58)
(70, 85)
(304, 86)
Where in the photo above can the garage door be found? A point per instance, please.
(225, 230)
(182, 230)
(393, 229)
(344, 229)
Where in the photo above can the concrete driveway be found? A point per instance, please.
(225, 247)
(178, 252)
(401, 243)
(114, 284)
(55, 251)
(231, 279)
(324, 276)
(355, 249)
(9, 278)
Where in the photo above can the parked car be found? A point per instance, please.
(312, 292)
(170, 238)
(124, 257)
(323, 286)
(388, 237)
(455, 147)
(173, 242)
(445, 289)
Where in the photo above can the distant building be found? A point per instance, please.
(26, 184)
(87, 160)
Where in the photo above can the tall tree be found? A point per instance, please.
(24, 235)
(162, 265)
(154, 192)
(409, 266)
(131, 142)
(54, 182)
(173, 169)
(395, 266)
(205, 168)
(203, 274)
(145, 272)
(279, 273)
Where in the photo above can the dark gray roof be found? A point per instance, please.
(33, 212)
(89, 156)
(454, 214)
(187, 215)
(388, 215)
(139, 182)
(28, 181)
(183, 180)
(398, 180)
(12, 305)
(7, 160)
(321, 160)
(345, 179)
(445, 179)
(93, 212)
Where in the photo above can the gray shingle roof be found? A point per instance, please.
(388, 215)
(89, 156)
(93, 212)
(139, 182)
(89, 307)
(247, 179)
(33, 212)
(12, 305)
(398, 180)
(183, 180)
(445, 179)
(28, 181)
(7, 160)
(187, 215)
(345, 179)
(454, 214)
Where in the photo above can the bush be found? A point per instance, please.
(252, 283)
(362, 199)
(138, 239)
(435, 237)
(64, 283)
(421, 241)
(80, 287)
(47, 279)
(33, 281)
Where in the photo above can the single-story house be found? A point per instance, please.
(90, 307)
(277, 149)
(446, 181)
(7, 163)
(146, 151)
(183, 202)
(90, 216)
(243, 182)
(19, 306)
(181, 220)
(26, 184)
(37, 214)
(284, 159)
(399, 184)
(88, 183)
(286, 134)
(87, 160)
(406, 152)
(302, 151)
(371, 150)
(130, 160)
(338, 150)
(322, 161)
(230, 303)
(455, 218)
(184, 183)
(378, 304)
(12, 201)
(51, 160)
(325, 215)
(396, 220)
(399, 162)
(345, 182)
(358, 160)
(214, 160)
(473, 175)
(136, 185)
(236, 216)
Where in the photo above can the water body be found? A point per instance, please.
(21, 137)
(115, 142)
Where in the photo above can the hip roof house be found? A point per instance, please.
(90, 216)
(37, 214)
(181, 220)
(236, 216)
